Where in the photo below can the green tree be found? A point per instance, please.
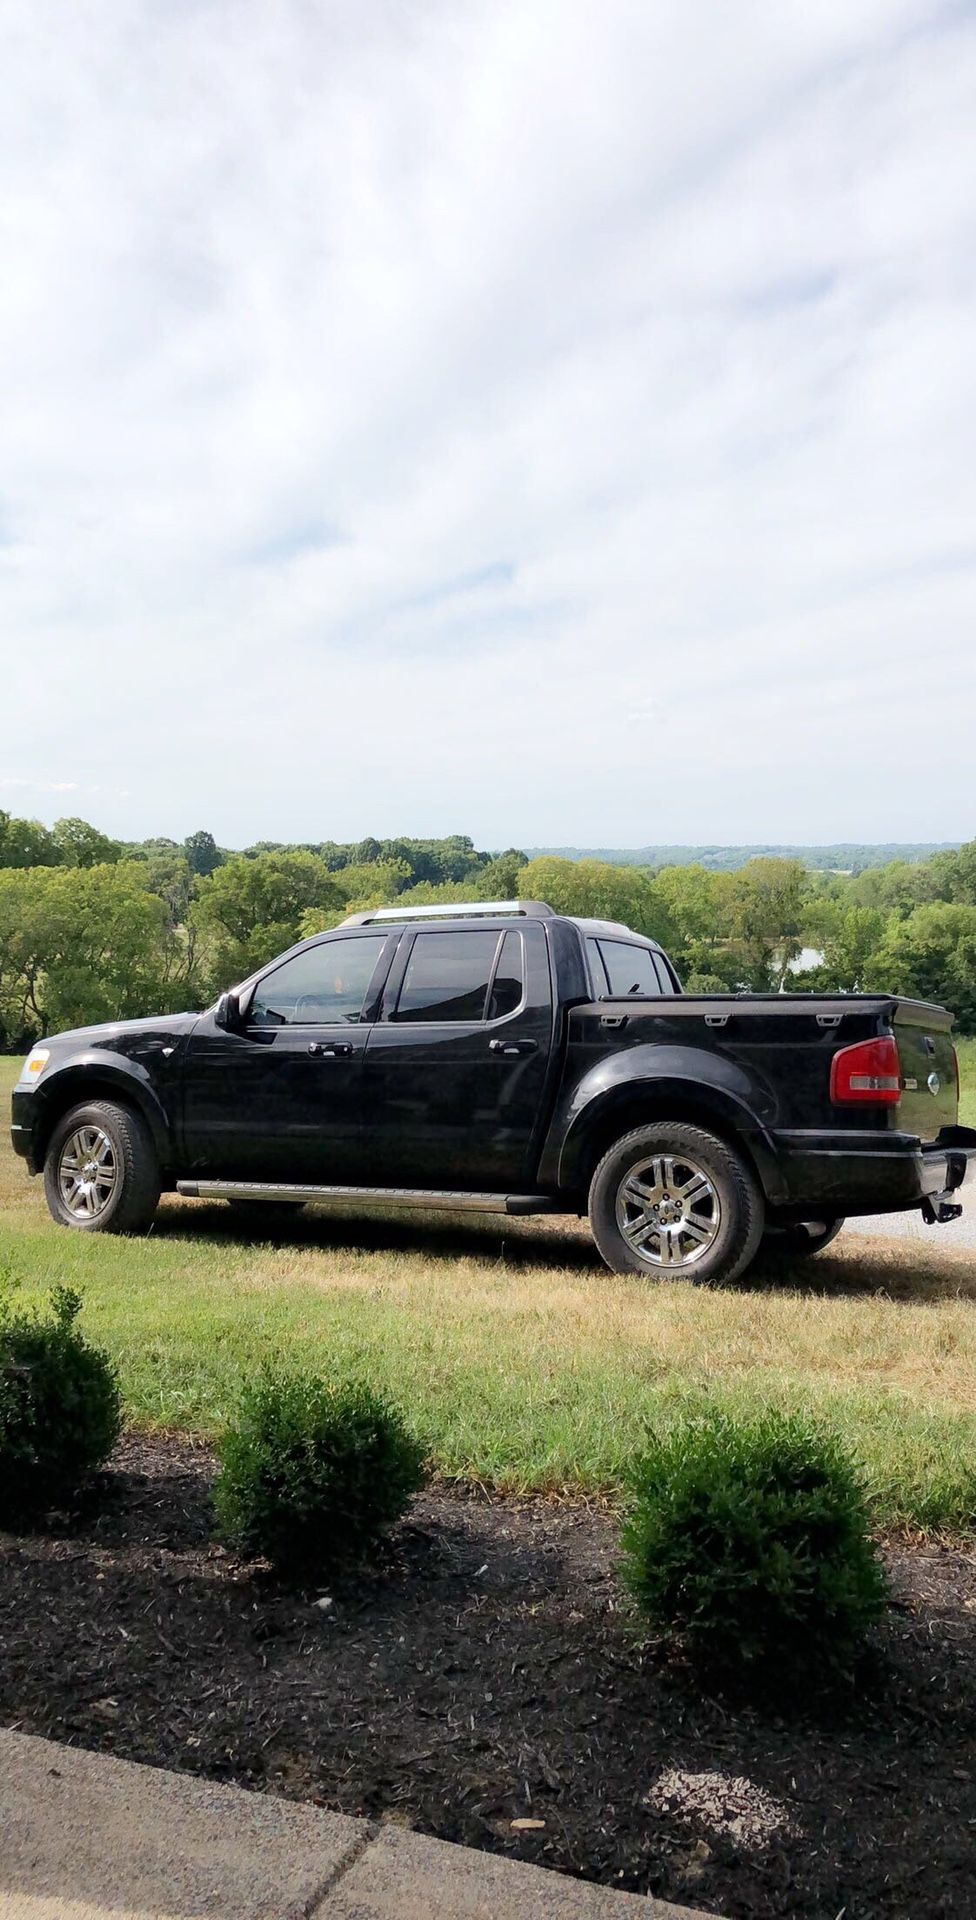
(954, 875)
(498, 879)
(25, 843)
(84, 944)
(592, 889)
(144, 849)
(251, 909)
(848, 938)
(377, 884)
(169, 876)
(699, 911)
(766, 901)
(899, 887)
(81, 845)
(201, 853)
(374, 885)
(932, 956)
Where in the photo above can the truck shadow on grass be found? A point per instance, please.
(856, 1266)
(493, 1238)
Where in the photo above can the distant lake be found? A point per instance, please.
(806, 959)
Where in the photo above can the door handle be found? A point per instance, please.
(330, 1049)
(511, 1047)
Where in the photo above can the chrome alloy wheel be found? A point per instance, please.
(668, 1211)
(88, 1172)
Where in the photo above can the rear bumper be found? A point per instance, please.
(874, 1173)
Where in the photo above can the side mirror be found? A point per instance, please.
(227, 1013)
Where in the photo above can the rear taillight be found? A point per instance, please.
(870, 1071)
(955, 1068)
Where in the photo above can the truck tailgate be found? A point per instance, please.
(928, 1068)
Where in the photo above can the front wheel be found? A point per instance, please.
(101, 1173)
(674, 1202)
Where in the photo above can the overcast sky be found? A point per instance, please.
(553, 421)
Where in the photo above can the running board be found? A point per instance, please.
(376, 1196)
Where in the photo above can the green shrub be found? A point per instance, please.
(60, 1409)
(747, 1542)
(311, 1474)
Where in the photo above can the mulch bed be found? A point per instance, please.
(489, 1672)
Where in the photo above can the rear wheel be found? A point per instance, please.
(674, 1202)
(799, 1242)
(101, 1171)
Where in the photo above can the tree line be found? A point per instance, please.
(844, 856)
(97, 929)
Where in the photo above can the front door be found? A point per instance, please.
(456, 1066)
(281, 1099)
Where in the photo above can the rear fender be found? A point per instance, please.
(649, 1083)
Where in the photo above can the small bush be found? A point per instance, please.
(60, 1409)
(747, 1541)
(312, 1474)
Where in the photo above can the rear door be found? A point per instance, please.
(456, 1066)
(928, 1068)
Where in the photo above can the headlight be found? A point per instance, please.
(34, 1065)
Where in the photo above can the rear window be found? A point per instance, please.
(447, 976)
(621, 968)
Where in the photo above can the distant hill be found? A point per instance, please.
(842, 858)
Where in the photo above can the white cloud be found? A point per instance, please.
(549, 420)
(18, 782)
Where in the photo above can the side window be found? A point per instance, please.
(629, 969)
(324, 986)
(598, 972)
(447, 976)
(506, 987)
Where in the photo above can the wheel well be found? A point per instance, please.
(75, 1093)
(641, 1108)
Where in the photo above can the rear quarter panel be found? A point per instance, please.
(765, 1069)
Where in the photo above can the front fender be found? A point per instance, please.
(94, 1074)
(688, 1082)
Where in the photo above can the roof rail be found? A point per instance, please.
(454, 909)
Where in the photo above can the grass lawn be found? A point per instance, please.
(520, 1359)
(966, 1050)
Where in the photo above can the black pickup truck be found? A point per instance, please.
(508, 1058)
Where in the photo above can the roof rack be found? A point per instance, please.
(453, 910)
(607, 926)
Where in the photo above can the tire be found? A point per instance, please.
(122, 1198)
(708, 1210)
(802, 1241)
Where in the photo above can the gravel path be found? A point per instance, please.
(955, 1237)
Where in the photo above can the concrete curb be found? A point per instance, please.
(84, 1836)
